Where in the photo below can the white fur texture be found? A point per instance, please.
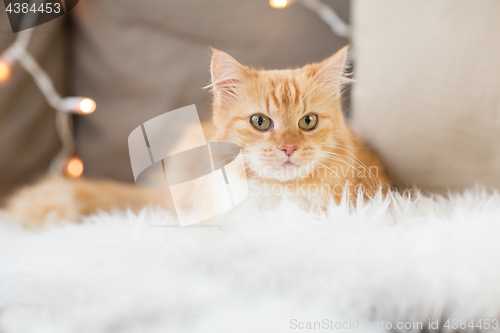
(400, 259)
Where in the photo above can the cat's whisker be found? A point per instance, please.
(338, 176)
(339, 158)
(354, 157)
(336, 157)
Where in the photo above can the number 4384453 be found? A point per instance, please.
(24, 8)
(487, 324)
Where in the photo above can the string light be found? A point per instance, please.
(324, 11)
(87, 105)
(4, 71)
(74, 169)
(78, 105)
(278, 3)
(65, 162)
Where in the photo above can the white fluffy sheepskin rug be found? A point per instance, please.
(404, 263)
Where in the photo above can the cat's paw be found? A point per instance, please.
(48, 201)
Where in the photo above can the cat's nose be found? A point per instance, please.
(288, 149)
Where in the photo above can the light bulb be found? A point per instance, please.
(79, 105)
(87, 105)
(4, 71)
(7, 60)
(74, 169)
(278, 3)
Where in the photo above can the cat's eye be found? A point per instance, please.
(261, 122)
(308, 122)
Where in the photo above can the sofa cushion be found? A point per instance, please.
(427, 89)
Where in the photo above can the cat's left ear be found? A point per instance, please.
(331, 71)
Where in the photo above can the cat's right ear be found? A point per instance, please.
(227, 74)
(332, 70)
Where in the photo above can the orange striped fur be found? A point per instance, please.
(329, 157)
(326, 161)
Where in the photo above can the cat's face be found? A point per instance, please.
(285, 120)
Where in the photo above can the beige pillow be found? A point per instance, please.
(427, 96)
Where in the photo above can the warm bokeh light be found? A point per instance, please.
(4, 71)
(78, 105)
(75, 167)
(278, 3)
(87, 106)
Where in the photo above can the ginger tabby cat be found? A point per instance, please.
(289, 124)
